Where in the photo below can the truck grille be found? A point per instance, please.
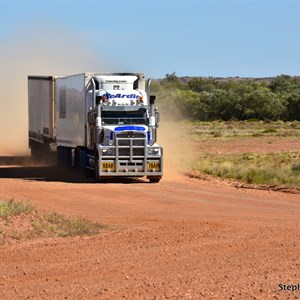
(131, 145)
(130, 134)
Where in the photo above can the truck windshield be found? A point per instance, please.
(125, 117)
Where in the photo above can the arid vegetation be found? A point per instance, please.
(208, 99)
(253, 152)
(21, 221)
(239, 129)
(279, 169)
(219, 109)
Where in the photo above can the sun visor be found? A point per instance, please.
(123, 108)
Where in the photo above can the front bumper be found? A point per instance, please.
(131, 164)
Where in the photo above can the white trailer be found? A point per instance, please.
(104, 123)
(41, 104)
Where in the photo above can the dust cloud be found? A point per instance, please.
(37, 50)
(52, 50)
(179, 152)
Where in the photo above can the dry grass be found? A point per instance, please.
(280, 169)
(251, 128)
(218, 159)
(12, 208)
(57, 225)
(21, 221)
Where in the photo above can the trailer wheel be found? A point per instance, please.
(34, 152)
(154, 179)
(37, 151)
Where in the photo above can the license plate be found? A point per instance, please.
(108, 166)
(153, 165)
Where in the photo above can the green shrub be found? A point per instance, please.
(209, 98)
(270, 130)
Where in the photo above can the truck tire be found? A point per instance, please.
(154, 179)
(96, 169)
(96, 174)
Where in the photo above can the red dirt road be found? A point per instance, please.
(179, 239)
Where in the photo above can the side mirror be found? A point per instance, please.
(98, 99)
(152, 99)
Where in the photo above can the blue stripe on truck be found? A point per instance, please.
(135, 128)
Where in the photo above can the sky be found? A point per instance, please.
(191, 38)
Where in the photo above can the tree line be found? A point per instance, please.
(207, 99)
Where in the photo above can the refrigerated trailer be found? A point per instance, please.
(100, 123)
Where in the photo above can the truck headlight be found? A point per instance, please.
(153, 151)
(107, 151)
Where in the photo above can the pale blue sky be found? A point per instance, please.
(191, 38)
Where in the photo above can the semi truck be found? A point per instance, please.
(103, 124)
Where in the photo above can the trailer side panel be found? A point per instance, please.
(71, 111)
(41, 108)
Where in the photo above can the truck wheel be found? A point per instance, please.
(97, 178)
(154, 179)
(82, 169)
